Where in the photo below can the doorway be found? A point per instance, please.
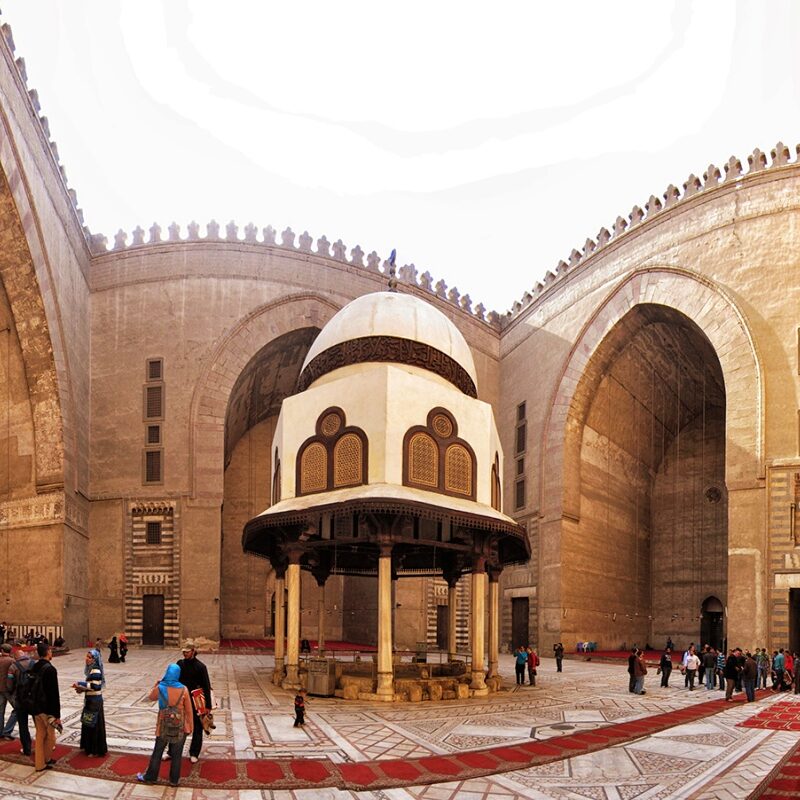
(442, 627)
(153, 619)
(794, 620)
(711, 615)
(520, 611)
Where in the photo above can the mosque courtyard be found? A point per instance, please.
(695, 748)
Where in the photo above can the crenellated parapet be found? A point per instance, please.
(7, 40)
(638, 218)
(287, 239)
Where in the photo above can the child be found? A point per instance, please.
(300, 708)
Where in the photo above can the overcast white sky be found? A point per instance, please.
(483, 140)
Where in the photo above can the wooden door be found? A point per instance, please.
(520, 611)
(153, 619)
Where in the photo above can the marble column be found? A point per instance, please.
(385, 682)
(494, 622)
(478, 627)
(280, 627)
(292, 679)
(452, 616)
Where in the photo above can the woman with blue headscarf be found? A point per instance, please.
(93, 723)
(174, 707)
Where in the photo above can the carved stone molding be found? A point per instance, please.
(392, 350)
(30, 512)
(143, 508)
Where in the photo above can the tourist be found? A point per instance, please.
(740, 674)
(300, 708)
(686, 653)
(533, 662)
(123, 647)
(113, 651)
(692, 665)
(710, 666)
(632, 670)
(173, 724)
(93, 722)
(796, 682)
(665, 667)
(721, 668)
(788, 668)
(194, 676)
(520, 664)
(762, 664)
(6, 661)
(749, 675)
(46, 707)
(777, 667)
(558, 652)
(2, 632)
(639, 671)
(19, 674)
(731, 671)
(701, 670)
(669, 646)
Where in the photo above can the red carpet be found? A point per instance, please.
(784, 780)
(237, 645)
(778, 717)
(318, 773)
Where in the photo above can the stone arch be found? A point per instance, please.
(21, 282)
(229, 358)
(720, 320)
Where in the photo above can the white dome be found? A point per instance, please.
(397, 315)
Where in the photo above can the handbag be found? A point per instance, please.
(89, 718)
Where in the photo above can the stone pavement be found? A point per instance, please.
(708, 758)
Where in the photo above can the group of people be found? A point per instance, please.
(738, 670)
(30, 688)
(526, 658)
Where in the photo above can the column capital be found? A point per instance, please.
(478, 563)
(294, 553)
(385, 547)
(494, 571)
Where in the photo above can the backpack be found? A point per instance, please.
(170, 719)
(29, 693)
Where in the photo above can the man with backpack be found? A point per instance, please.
(173, 725)
(41, 694)
(16, 679)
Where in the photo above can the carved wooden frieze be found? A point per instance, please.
(388, 349)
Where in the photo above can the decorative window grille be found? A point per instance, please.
(334, 458)
(152, 466)
(314, 468)
(458, 470)
(154, 402)
(347, 468)
(153, 533)
(423, 457)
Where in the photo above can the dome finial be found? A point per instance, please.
(392, 274)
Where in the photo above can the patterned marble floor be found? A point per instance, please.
(711, 758)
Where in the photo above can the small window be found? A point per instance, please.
(519, 494)
(154, 402)
(155, 369)
(521, 412)
(152, 466)
(520, 466)
(522, 435)
(153, 434)
(153, 533)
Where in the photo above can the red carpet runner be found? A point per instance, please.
(309, 773)
(783, 782)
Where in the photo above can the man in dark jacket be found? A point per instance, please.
(632, 670)
(46, 707)
(22, 663)
(749, 675)
(665, 667)
(194, 675)
(731, 673)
